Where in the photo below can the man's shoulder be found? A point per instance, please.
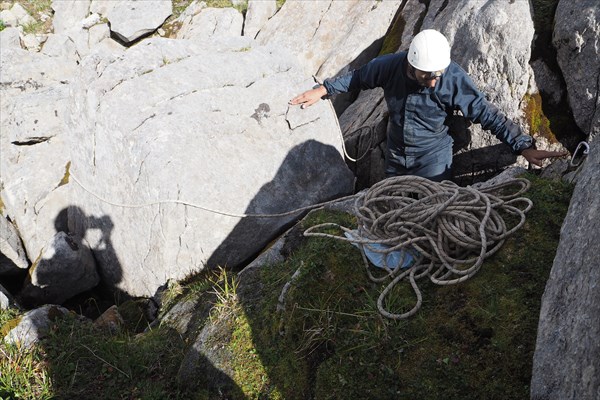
(456, 68)
(393, 56)
(390, 61)
(455, 73)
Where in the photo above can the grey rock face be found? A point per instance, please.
(132, 19)
(174, 127)
(566, 361)
(23, 17)
(329, 35)
(102, 7)
(577, 42)
(9, 18)
(34, 325)
(65, 269)
(209, 22)
(69, 13)
(33, 155)
(12, 254)
(547, 82)
(259, 12)
(72, 44)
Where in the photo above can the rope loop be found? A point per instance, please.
(453, 229)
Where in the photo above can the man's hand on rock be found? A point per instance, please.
(536, 157)
(309, 97)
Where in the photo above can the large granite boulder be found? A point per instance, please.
(577, 42)
(566, 360)
(174, 142)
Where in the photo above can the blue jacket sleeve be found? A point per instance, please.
(474, 106)
(377, 73)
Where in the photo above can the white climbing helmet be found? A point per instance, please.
(429, 51)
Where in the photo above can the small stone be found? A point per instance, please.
(90, 21)
(10, 37)
(22, 15)
(34, 325)
(110, 320)
(31, 42)
(8, 18)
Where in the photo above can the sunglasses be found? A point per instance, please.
(429, 76)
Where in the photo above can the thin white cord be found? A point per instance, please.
(208, 209)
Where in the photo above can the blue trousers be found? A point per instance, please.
(435, 165)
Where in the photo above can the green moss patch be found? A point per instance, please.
(65, 178)
(539, 124)
(392, 39)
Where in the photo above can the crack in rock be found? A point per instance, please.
(33, 140)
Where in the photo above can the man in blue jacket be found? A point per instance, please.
(421, 87)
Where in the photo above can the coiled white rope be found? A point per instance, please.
(453, 229)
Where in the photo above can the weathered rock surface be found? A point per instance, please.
(132, 19)
(566, 360)
(72, 44)
(65, 269)
(258, 13)
(68, 13)
(547, 82)
(102, 7)
(34, 158)
(329, 35)
(22, 16)
(9, 18)
(170, 122)
(209, 22)
(577, 42)
(12, 254)
(33, 325)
